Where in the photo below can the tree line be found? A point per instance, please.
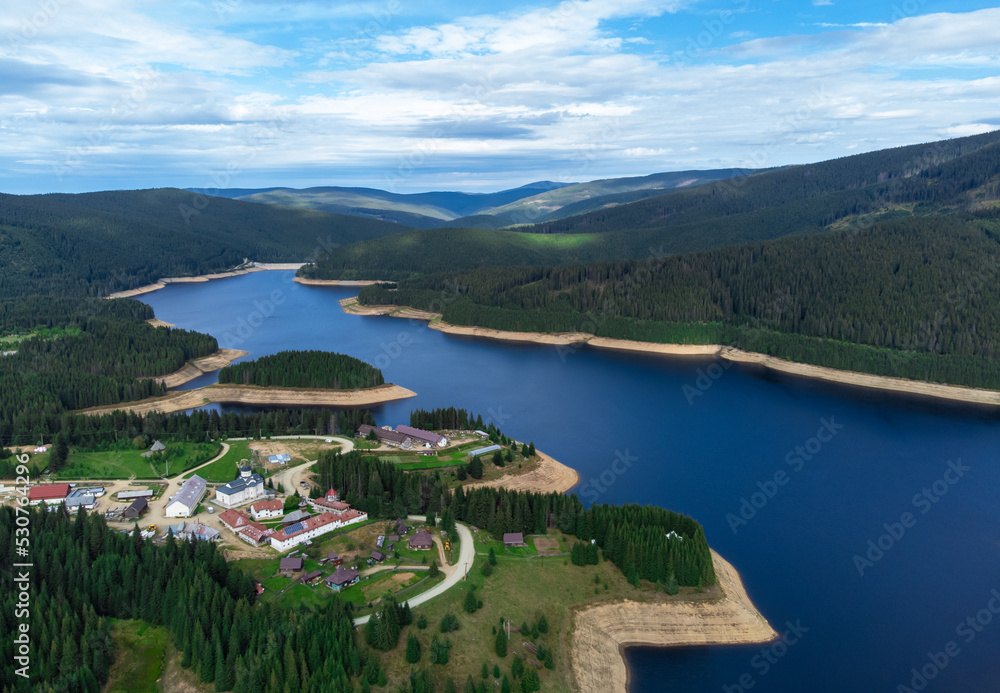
(310, 369)
(909, 298)
(645, 542)
(93, 574)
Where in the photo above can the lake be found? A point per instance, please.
(791, 479)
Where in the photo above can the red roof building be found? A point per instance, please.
(234, 520)
(255, 533)
(50, 493)
(271, 508)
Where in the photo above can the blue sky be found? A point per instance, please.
(473, 95)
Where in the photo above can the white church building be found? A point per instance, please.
(247, 487)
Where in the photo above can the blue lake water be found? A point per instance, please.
(635, 432)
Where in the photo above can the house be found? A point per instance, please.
(267, 508)
(315, 575)
(333, 559)
(511, 539)
(387, 436)
(390, 547)
(304, 531)
(50, 494)
(260, 589)
(292, 563)
(400, 527)
(234, 520)
(481, 434)
(184, 502)
(295, 516)
(422, 436)
(421, 541)
(187, 531)
(392, 537)
(482, 451)
(255, 533)
(377, 556)
(342, 577)
(135, 511)
(248, 486)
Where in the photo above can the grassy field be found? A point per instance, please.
(522, 588)
(139, 649)
(121, 464)
(226, 467)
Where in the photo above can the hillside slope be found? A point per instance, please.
(98, 243)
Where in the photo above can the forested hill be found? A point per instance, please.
(77, 353)
(932, 179)
(913, 298)
(97, 243)
(310, 369)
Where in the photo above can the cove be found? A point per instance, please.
(627, 424)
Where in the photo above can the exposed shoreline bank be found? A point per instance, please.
(576, 340)
(160, 283)
(603, 632)
(195, 368)
(180, 400)
(334, 282)
(549, 476)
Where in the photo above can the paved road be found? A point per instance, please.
(454, 574)
(289, 479)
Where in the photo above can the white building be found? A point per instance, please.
(301, 532)
(188, 496)
(248, 486)
(267, 508)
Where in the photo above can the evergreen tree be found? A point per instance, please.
(412, 649)
(501, 643)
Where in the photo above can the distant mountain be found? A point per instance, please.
(420, 210)
(98, 243)
(929, 179)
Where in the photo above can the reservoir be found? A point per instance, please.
(865, 525)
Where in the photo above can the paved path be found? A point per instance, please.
(454, 574)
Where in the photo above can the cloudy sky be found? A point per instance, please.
(473, 95)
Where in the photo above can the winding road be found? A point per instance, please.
(453, 573)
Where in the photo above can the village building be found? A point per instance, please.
(50, 494)
(136, 509)
(291, 563)
(332, 559)
(377, 556)
(187, 531)
(423, 437)
(234, 520)
(130, 495)
(421, 541)
(512, 539)
(387, 435)
(267, 508)
(342, 578)
(295, 516)
(311, 577)
(184, 503)
(255, 534)
(156, 447)
(304, 531)
(248, 486)
(329, 503)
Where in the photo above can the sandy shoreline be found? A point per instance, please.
(601, 633)
(922, 388)
(334, 282)
(550, 476)
(180, 400)
(198, 367)
(160, 283)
